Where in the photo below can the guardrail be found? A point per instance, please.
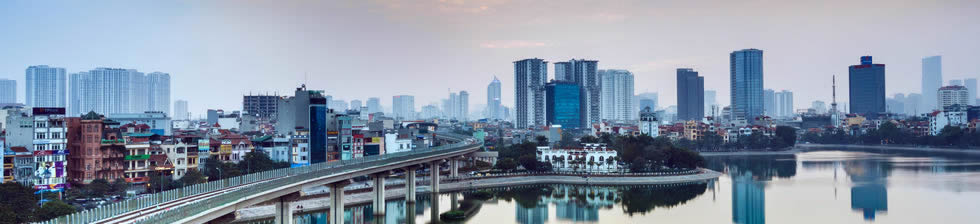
(235, 188)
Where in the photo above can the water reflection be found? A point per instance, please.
(800, 188)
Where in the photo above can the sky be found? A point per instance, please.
(217, 51)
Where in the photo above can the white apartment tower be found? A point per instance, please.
(617, 95)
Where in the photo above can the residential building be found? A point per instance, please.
(530, 76)
(711, 103)
(19, 126)
(940, 119)
(116, 90)
(932, 80)
(746, 83)
(97, 149)
(8, 91)
(953, 95)
(260, 105)
(617, 95)
(769, 100)
(563, 104)
(45, 86)
(585, 73)
(690, 95)
(50, 148)
(180, 110)
(403, 107)
(648, 100)
(494, 110)
(867, 88)
(463, 106)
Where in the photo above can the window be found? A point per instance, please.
(39, 135)
(40, 124)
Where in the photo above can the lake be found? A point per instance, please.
(808, 187)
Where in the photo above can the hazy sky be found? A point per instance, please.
(216, 51)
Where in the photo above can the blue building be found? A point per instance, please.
(318, 130)
(746, 83)
(690, 95)
(563, 104)
(867, 87)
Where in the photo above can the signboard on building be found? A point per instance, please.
(59, 152)
(203, 145)
(51, 186)
(48, 111)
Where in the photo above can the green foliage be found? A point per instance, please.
(18, 203)
(890, 134)
(452, 215)
(53, 209)
(529, 162)
(786, 136)
(588, 139)
(98, 187)
(254, 162)
(541, 140)
(192, 177)
(506, 164)
(567, 139)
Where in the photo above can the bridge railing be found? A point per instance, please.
(232, 189)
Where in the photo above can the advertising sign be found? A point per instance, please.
(203, 145)
(59, 152)
(51, 186)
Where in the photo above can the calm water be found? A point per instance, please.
(812, 187)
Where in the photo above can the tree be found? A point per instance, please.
(638, 165)
(119, 187)
(160, 182)
(541, 140)
(567, 140)
(588, 139)
(53, 209)
(529, 162)
(254, 162)
(18, 203)
(786, 135)
(506, 164)
(192, 177)
(98, 188)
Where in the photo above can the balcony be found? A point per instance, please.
(137, 157)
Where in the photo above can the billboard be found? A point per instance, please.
(48, 111)
(204, 145)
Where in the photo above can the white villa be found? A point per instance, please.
(590, 157)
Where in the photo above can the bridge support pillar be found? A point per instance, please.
(284, 212)
(454, 168)
(379, 193)
(434, 211)
(410, 212)
(453, 201)
(337, 201)
(434, 169)
(410, 185)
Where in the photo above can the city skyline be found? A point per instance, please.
(194, 62)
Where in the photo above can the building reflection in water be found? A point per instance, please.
(537, 214)
(869, 193)
(750, 176)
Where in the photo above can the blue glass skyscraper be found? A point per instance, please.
(563, 103)
(746, 83)
(867, 87)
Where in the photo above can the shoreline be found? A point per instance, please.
(794, 150)
(321, 203)
(890, 147)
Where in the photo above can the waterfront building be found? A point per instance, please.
(8, 92)
(690, 95)
(588, 157)
(932, 80)
(867, 88)
(971, 84)
(784, 104)
(259, 105)
(45, 86)
(953, 95)
(563, 104)
(746, 83)
(530, 76)
(617, 95)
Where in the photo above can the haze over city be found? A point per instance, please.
(224, 49)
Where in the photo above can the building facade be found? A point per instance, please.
(617, 95)
(867, 88)
(494, 110)
(97, 149)
(690, 95)
(117, 90)
(180, 110)
(932, 80)
(563, 104)
(45, 86)
(649, 125)
(952, 95)
(403, 107)
(260, 105)
(50, 149)
(746, 84)
(8, 91)
(589, 157)
(585, 73)
(530, 76)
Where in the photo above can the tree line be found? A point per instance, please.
(890, 134)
